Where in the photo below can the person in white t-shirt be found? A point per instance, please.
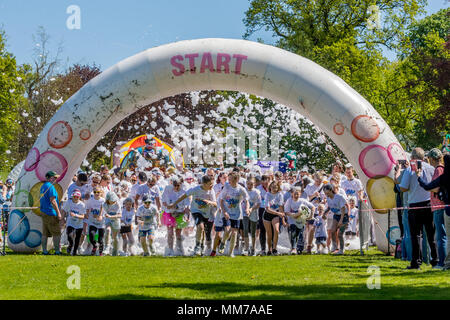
(174, 218)
(352, 185)
(320, 229)
(126, 226)
(231, 199)
(74, 211)
(150, 189)
(273, 214)
(251, 221)
(351, 231)
(113, 214)
(339, 206)
(96, 220)
(203, 207)
(295, 208)
(142, 180)
(148, 219)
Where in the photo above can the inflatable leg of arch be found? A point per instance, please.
(210, 64)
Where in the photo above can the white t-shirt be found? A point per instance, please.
(232, 199)
(77, 208)
(197, 203)
(292, 206)
(353, 219)
(313, 188)
(134, 190)
(262, 192)
(218, 188)
(352, 187)
(274, 201)
(111, 210)
(127, 217)
(94, 207)
(169, 196)
(153, 192)
(254, 197)
(148, 216)
(320, 225)
(337, 203)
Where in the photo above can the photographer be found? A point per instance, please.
(440, 186)
(419, 198)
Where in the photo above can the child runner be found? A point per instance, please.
(320, 230)
(146, 214)
(126, 226)
(231, 199)
(94, 210)
(74, 210)
(293, 211)
(272, 215)
(174, 218)
(353, 219)
(251, 221)
(338, 205)
(203, 200)
(113, 213)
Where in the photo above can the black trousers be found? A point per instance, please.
(418, 219)
(74, 243)
(262, 229)
(101, 232)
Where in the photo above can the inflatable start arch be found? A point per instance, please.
(207, 64)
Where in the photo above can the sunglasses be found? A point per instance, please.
(97, 192)
(147, 202)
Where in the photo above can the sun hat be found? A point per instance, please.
(76, 193)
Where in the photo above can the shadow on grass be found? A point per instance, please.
(232, 290)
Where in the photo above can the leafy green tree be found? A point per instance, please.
(11, 97)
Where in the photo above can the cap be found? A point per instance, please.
(349, 165)
(146, 198)
(50, 174)
(76, 193)
(9, 181)
(434, 153)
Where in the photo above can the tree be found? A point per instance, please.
(11, 91)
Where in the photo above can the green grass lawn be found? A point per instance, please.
(281, 277)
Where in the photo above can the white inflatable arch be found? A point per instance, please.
(206, 64)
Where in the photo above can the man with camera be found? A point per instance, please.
(419, 198)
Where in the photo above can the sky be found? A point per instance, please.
(113, 30)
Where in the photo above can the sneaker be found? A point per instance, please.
(197, 251)
(293, 251)
(74, 254)
(413, 268)
(274, 252)
(169, 252)
(338, 253)
(262, 253)
(231, 255)
(253, 252)
(146, 254)
(438, 267)
(213, 253)
(269, 253)
(45, 253)
(221, 248)
(122, 254)
(152, 249)
(69, 249)
(94, 250)
(333, 248)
